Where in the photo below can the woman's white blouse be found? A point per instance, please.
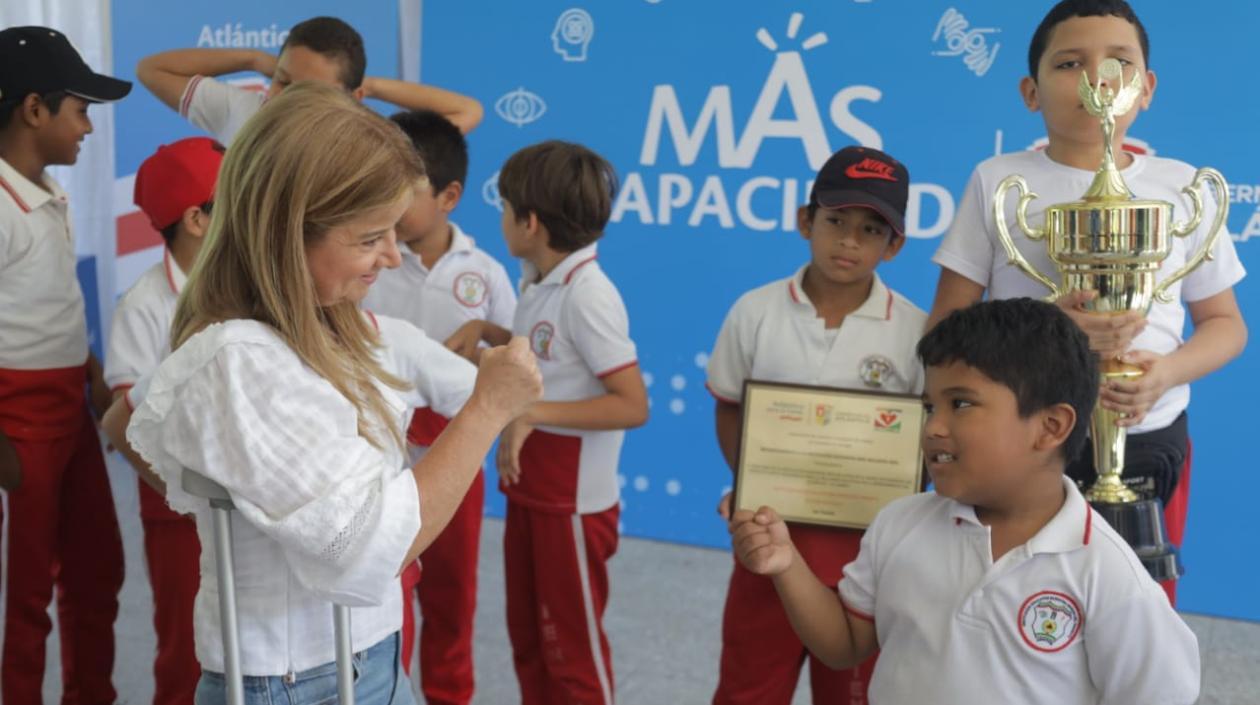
(322, 515)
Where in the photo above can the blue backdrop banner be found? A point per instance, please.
(717, 114)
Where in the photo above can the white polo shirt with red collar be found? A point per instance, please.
(465, 284)
(773, 334)
(1069, 617)
(140, 334)
(218, 107)
(577, 325)
(42, 324)
(43, 330)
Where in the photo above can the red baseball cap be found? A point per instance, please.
(177, 177)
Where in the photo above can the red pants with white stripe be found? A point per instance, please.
(172, 554)
(761, 654)
(61, 531)
(557, 589)
(447, 594)
(1175, 513)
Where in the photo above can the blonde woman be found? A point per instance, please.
(284, 392)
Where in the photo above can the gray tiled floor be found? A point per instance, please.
(663, 620)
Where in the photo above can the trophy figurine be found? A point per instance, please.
(1114, 244)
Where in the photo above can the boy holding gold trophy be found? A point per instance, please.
(1126, 260)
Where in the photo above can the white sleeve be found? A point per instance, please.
(135, 394)
(732, 359)
(502, 297)
(597, 321)
(859, 584)
(135, 345)
(286, 447)
(1219, 273)
(441, 380)
(217, 107)
(5, 240)
(1142, 652)
(968, 247)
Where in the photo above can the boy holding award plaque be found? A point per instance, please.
(832, 324)
(1081, 36)
(1004, 585)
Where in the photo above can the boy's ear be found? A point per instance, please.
(358, 94)
(1148, 90)
(1056, 424)
(449, 197)
(32, 111)
(894, 246)
(803, 222)
(195, 221)
(1028, 91)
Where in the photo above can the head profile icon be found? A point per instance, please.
(572, 35)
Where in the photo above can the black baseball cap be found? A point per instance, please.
(42, 61)
(861, 176)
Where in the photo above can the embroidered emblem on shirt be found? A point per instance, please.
(540, 339)
(1049, 621)
(470, 289)
(875, 370)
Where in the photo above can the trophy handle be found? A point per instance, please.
(1013, 254)
(1183, 229)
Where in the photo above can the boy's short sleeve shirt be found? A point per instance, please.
(440, 379)
(1071, 616)
(42, 321)
(577, 326)
(217, 107)
(971, 248)
(773, 334)
(141, 330)
(465, 284)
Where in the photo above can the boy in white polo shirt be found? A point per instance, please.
(832, 323)
(1076, 36)
(323, 49)
(1003, 586)
(61, 529)
(175, 189)
(455, 292)
(558, 462)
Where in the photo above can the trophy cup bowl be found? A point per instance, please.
(1114, 244)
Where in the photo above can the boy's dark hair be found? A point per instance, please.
(1068, 9)
(440, 144)
(1029, 346)
(170, 231)
(334, 39)
(9, 108)
(569, 187)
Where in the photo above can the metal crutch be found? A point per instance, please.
(221, 508)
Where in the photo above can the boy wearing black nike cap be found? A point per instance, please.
(62, 531)
(833, 323)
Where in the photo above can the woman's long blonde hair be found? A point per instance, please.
(310, 160)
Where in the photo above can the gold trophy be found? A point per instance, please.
(1114, 244)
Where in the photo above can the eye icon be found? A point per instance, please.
(490, 192)
(520, 107)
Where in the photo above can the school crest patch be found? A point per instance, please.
(876, 370)
(1049, 621)
(470, 289)
(540, 339)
